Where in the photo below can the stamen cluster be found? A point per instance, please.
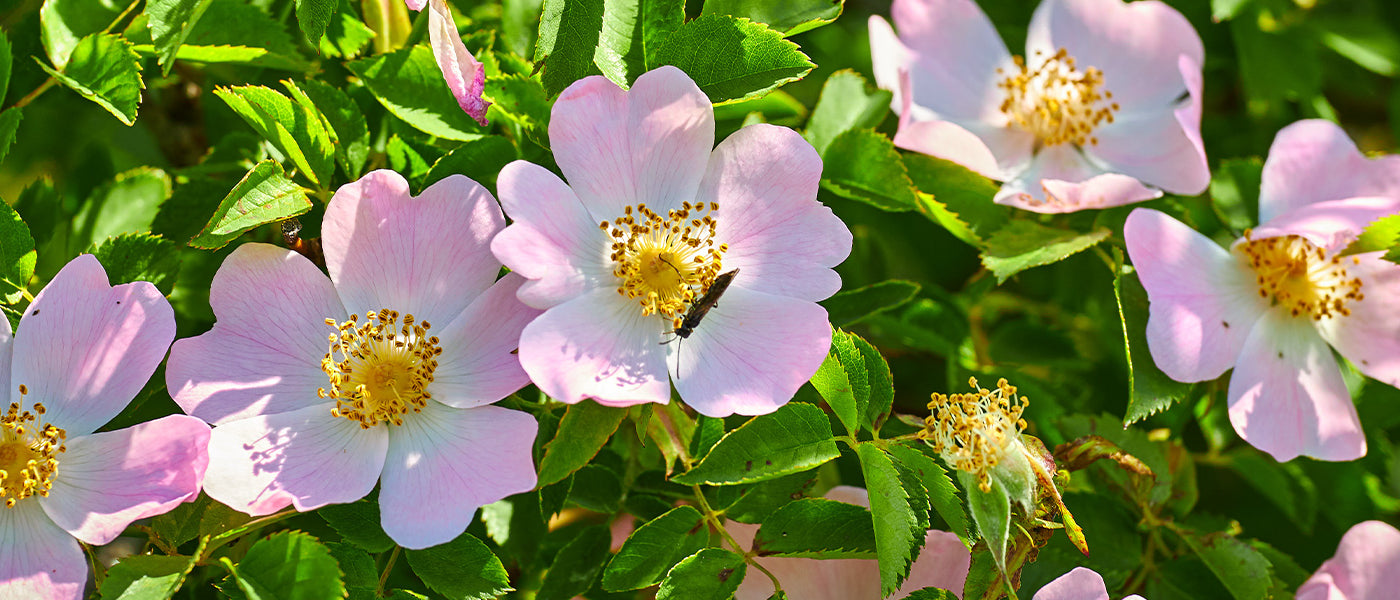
(1301, 277)
(1055, 100)
(380, 369)
(28, 452)
(972, 431)
(665, 263)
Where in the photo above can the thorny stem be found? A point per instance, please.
(388, 566)
(48, 83)
(713, 518)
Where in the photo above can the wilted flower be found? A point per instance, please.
(1366, 566)
(980, 433)
(465, 75)
(83, 351)
(1078, 584)
(383, 373)
(650, 219)
(1271, 304)
(1103, 110)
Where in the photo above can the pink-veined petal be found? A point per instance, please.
(647, 145)
(85, 347)
(427, 255)
(1175, 158)
(416, 4)
(1313, 161)
(1060, 180)
(306, 458)
(465, 75)
(1365, 567)
(7, 348)
(600, 346)
(1287, 397)
(108, 480)
(38, 560)
(1078, 584)
(990, 149)
(264, 353)
(952, 53)
(750, 353)
(1202, 301)
(1370, 336)
(479, 364)
(552, 240)
(1329, 224)
(444, 463)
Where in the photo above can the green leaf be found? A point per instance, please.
(583, 431)
(404, 159)
(1234, 192)
(127, 204)
(1244, 571)
(409, 84)
(358, 523)
(17, 255)
(1224, 10)
(515, 523)
(791, 17)
(881, 383)
(899, 528)
(139, 257)
(1021, 245)
(991, 511)
(346, 34)
(755, 502)
(235, 32)
(7, 63)
(463, 568)
(939, 488)
(181, 524)
(9, 127)
(931, 593)
(732, 59)
(654, 548)
(294, 128)
(171, 21)
(631, 31)
(104, 69)
(817, 528)
(521, 100)
(795, 438)
(862, 164)
(596, 488)
(289, 565)
(313, 16)
(1364, 40)
(577, 565)
(847, 102)
(265, 195)
(1283, 484)
(343, 121)
(1381, 234)
(956, 198)
(851, 306)
(843, 381)
(519, 23)
(481, 160)
(64, 22)
(710, 574)
(145, 577)
(1150, 391)
(361, 574)
(1273, 65)
(569, 38)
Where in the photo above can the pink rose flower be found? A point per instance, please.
(1078, 584)
(83, 351)
(1103, 110)
(650, 217)
(421, 335)
(1366, 566)
(1271, 304)
(465, 75)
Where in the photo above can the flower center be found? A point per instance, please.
(380, 369)
(28, 453)
(1301, 276)
(972, 431)
(1055, 100)
(665, 263)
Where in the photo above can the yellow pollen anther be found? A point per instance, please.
(1055, 100)
(380, 369)
(665, 263)
(1300, 276)
(28, 452)
(972, 431)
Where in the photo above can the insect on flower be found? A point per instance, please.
(701, 307)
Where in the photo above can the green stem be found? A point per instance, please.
(388, 566)
(713, 518)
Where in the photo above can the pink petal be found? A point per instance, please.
(445, 463)
(750, 353)
(108, 480)
(1287, 396)
(1079, 584)
(7, 348)
(37, 558)
(465, 76)
(943, 563)
(1175, 158)
(479, 364)
(597, 346)
(952, 53)
(427, 255)
(306, 458)
(85, 348)
(764, 179)
(264, 353)
(1313, 161)
(1366, 566)
(1203, 301)
(416, 4)
(552, 240)
(1370, 337)
(1060, 180)
(1330, 224)
(645, 145)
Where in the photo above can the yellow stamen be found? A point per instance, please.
(665, 263)
(1056, 101)
(1300, 276)
(28, 452)
(973, 431)
(379, 370)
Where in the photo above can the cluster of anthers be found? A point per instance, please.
(380, 369)
(28, 452)
(665, 263)
(1300, 276)
(972, 431)
(1056, 101)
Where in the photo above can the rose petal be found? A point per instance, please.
(1370, 337)
(1366, 566)
(943, 563)
(598, 346)
(646, 145)
(37, 558)
(1331, 224)
(1314, 160)
(306, 458)
(108, 480)
(552, 240)
(1203, 301)
(428, 255)
(416, 4)
(1078, 584)
(444, 463)
(264, 353)
(465, 76)
(1060, 179)
(750, 353)
(1175, 160)
(7, 348)
(952, 53)
(479, 364)
(85, 348)
(1287, 396)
